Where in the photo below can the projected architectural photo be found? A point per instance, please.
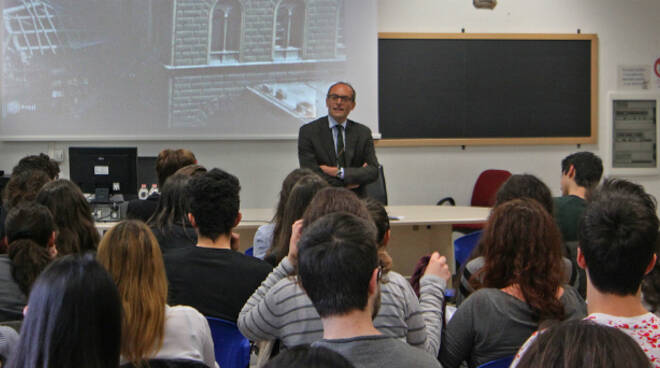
(169, 64)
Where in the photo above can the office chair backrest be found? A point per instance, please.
(377, 189)
(232, 349)
(486, 187)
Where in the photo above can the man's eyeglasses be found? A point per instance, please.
(334, 97)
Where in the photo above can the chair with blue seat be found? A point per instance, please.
(464, 245)
(232, 349)
(167, 363)
(498, 363)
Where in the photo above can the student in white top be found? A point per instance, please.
(150, 328)
(617, 241)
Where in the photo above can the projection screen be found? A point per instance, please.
(181, 69)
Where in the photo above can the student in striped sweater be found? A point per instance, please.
(280, 309)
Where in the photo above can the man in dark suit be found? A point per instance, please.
(340, 150)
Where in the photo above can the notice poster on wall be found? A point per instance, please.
(656, 71)
(634, 77)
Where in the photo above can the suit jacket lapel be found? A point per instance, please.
(351, 143)
(327, 141)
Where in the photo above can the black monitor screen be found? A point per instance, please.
(104, 167)
(146, 171)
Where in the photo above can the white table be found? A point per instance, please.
(419, 230)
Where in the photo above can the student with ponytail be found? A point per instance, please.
(31, 237)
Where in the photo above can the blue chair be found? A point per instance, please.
(167, 363)
(232, 349)
(498, 363)
(463, 246)
(249, 252)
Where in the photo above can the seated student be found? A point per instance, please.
(263, 238)
(150, 327)
(339, 270)
(169, 222)
(8, 340)
(38, 162)
(167, 163)
(73, 318)
(212, 276)
(651, 281)
(280, 309)
(618, 237)
(583, 344)
(22, 187)
(28, 184)
(31, 237)
(518, 288)
(580, 173)
(301, 194)
(72, 215)
(304, 356)
(517, 186)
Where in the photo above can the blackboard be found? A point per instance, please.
(487, 89)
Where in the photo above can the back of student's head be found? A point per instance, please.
(382, 221)
(333, 199)
(73, 318)
(582, 343)
(29, 228)
(23, 187)
(617, 237)
(520, 242)
(130, 252)
(525, 186)
(192, 170)
(337, 255)
(304, 356)
(588, 168)
(287, 184)
(37, 162)
(30, 221)
(625, 186)
(214, 202)
(72, 214)
(173, 205)
(298, 199)
(170, 160)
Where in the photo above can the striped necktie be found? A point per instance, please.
(341, 158)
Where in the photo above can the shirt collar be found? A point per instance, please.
(333, 123)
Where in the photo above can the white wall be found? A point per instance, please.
(629, 34)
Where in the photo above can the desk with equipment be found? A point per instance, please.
(416, 231)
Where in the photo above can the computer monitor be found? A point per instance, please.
(146, 171)
(107, 170)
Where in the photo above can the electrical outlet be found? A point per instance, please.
(57, 155)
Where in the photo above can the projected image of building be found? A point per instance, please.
(282, 53)
(149, 65)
